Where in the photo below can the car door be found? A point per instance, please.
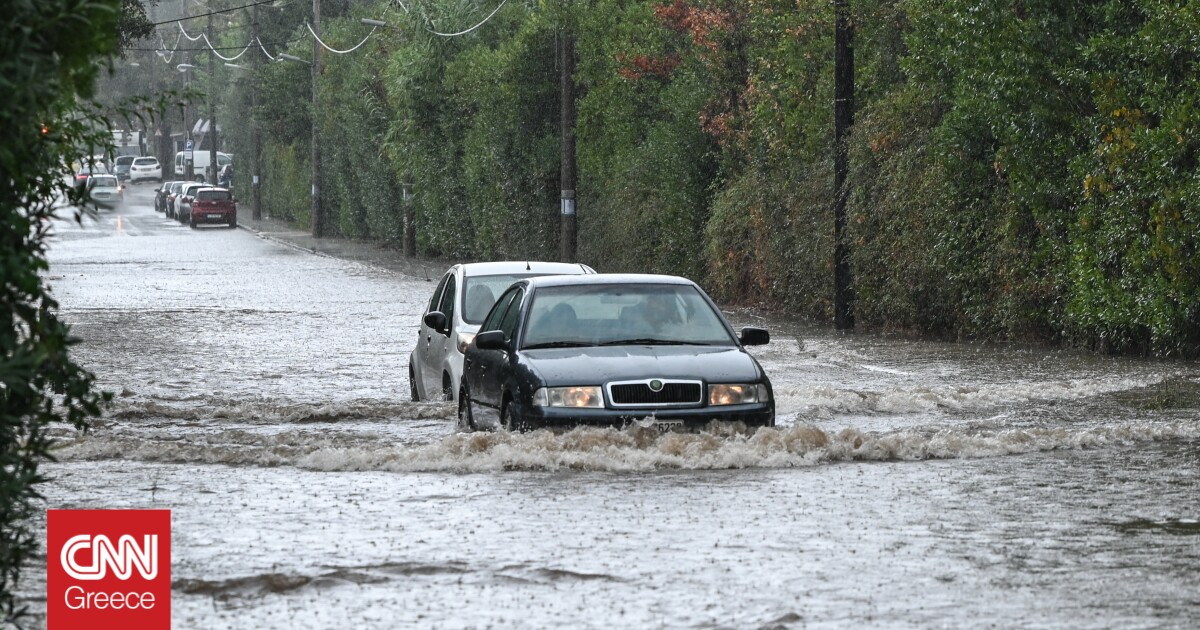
(424, 365)
(476, 361)
(439, 343)
(496, 365)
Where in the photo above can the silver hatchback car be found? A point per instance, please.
(459, 304)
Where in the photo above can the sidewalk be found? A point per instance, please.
(367, 252)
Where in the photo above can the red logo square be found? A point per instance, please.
(108, 569)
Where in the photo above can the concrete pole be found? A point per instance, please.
(255, 138)
(318, 221)
(568, 235)
(212, 109)
(843, 56)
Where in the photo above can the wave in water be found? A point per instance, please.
(632, 449)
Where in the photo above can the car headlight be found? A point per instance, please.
(464, 341)
(589, 396)
(737, 394)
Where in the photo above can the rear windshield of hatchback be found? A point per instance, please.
(212, 195)
(146, 161)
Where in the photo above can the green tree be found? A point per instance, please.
(50, 54)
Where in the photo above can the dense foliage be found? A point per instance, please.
(1020, 169)
(49, 56)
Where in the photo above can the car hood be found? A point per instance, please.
(598, 365)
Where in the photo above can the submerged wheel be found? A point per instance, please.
(412, 386)
(447, 388)
(511, 420)
(465, 421)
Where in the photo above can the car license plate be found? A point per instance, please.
(667, 426)
(214, 216)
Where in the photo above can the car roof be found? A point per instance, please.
(521, 266)
(608, 278)
(208, 188)
(145, 157)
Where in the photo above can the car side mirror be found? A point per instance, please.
(436, 320)
(491, 340)
(754, 336)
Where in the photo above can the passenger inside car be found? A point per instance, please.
(561, 321)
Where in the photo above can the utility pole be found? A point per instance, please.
(843, 116)
(410, 218)
(255, 139)
(318, 227)
(567, 236)
(212, 110)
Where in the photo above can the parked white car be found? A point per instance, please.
(145, 168)
(459, 304)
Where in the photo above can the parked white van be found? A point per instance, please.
(199, 164)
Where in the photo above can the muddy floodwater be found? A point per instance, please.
(261, 396)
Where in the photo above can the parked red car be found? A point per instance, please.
(213, 206)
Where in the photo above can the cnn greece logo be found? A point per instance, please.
(108, 569)
(122, 557)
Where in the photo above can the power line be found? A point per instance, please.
(206, 48)
(200, 15)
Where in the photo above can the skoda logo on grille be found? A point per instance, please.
(656, 385)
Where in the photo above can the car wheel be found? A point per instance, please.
(511, 419)
(465, 421)
(447, 388)
(192, 222)
(412, 386)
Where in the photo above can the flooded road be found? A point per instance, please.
(261, 395)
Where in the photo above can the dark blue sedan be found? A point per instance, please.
(611, 350)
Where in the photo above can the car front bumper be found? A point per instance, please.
(689, 419)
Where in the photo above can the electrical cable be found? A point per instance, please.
(218, 12)
(334, 50)
(485, 20)
(185, 34)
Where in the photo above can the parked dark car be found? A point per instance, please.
(183, 201)
(172, 198)
(160, 196)
(610, 350)
(213, 206)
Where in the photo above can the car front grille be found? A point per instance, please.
(639, 393)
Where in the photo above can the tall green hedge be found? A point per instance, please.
(1021, 169)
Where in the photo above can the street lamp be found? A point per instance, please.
(293, 58)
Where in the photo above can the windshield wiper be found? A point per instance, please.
(648, 341)
(559, 344)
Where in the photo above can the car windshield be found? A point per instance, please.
(215, 195)
(481, 293)
(103, 182)
(623, 314)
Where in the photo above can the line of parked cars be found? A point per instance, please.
(196, 203)
(529, 345)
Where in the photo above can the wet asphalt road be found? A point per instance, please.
(261, 396)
